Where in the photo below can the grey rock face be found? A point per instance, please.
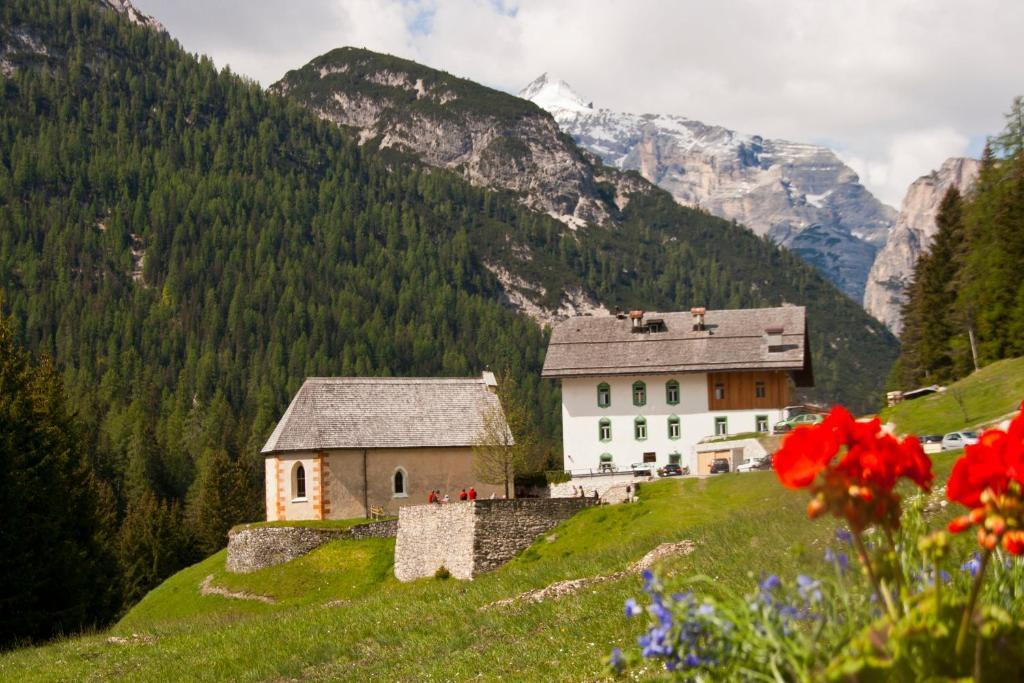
(773, 187)
(493, 140)
(915, 229)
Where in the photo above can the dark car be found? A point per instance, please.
(719, 465)
(670, 470)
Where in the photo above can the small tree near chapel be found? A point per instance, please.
(505, 445)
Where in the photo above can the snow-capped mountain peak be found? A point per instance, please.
(554, 95)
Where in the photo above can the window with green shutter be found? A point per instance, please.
(674, 430)
(604, 395)
(604, 429)
(639, 394)
(640, 429)
(672, 392)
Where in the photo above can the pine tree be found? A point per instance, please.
(929, 314)
(58, 570)
(223, 497)
(154, 544)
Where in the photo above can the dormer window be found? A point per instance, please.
(774, 337)
(604, 395)
(639, 394)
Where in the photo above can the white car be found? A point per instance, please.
(754, 465)
(957, 440)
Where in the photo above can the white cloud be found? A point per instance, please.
(892, 84)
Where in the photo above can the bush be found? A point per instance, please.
(557, 476)
(442, 573)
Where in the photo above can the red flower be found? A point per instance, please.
(805, 452)
(992, 463)
(1013, 542)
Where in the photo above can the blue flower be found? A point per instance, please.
(770, 583)
(844, 536)
(972, 565)
(616, 659)
(706, 610)
(632, 609)
(808, 588)
(944, 576)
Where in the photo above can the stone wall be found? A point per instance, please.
(258, 547)
(473, 537)
(601, 483)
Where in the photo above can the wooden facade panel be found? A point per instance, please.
(740, 390)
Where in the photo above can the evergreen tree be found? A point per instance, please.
(154, 544)
(223, 497)
(929, 314)
(58, 569)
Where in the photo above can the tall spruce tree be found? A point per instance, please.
(58, 569)
(929, 316)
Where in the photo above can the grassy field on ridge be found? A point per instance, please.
(988, 394)
(342, 616)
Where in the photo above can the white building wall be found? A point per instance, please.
(582, 447)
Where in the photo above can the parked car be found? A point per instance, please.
(642, 469)
(762, 463)
(719, 465)
(673, 470)
(955, 440)
(789, 424)
(930, 438)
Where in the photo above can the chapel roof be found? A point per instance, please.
(385, 412)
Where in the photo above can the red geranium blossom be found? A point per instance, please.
(859, 486)
(992, 463)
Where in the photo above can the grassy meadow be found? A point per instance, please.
(987, 395)
(340, 614)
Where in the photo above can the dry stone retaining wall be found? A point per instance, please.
(254, 548)
(473, 537)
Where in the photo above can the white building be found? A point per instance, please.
(646, 388)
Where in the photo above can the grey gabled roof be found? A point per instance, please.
(384, 412)
(733, 340)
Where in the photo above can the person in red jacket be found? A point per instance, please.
(432, 498)
(472, 493)
(463, 495)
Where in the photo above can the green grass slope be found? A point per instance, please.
(341, 615)
(988, 394)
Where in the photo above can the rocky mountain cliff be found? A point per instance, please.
(915, 228)
(493, 139)
(801, 195)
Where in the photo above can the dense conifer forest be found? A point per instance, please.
(178, 250)
(970, 283)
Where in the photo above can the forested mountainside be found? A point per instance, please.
(800, 194)
(187, 248)
(632, 245)
(970, 280)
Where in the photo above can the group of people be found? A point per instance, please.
(464, 494)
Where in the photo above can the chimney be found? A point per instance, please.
(490, 381)
(637, 318)
(698, 318)
(774, 337)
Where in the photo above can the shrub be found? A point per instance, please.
(442, 573)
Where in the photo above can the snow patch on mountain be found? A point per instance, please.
(775, 187)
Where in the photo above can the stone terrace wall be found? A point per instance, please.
(434, 536)
(474, 537)
(258, 547)
(600, 483)
(504, 528)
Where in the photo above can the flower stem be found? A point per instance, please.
(965, 622)
(938, 588)
(883, 597)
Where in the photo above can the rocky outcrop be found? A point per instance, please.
(129, 10)
(783, 189)
(493, 139)
(915, 229)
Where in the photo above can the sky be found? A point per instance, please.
(893, 86)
